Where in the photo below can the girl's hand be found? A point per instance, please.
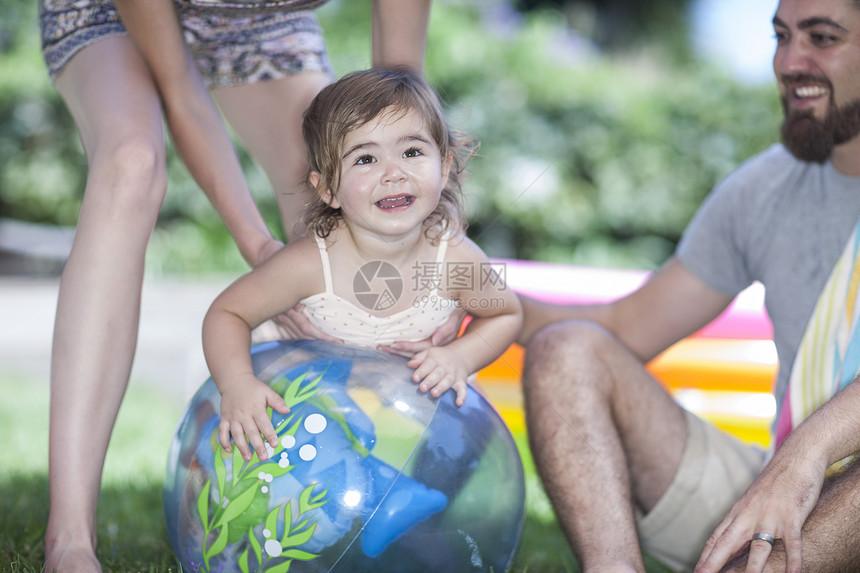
(243, 413)
(438, 369)
(444, 334)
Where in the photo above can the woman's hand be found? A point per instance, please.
(444, 334)
(291, 325)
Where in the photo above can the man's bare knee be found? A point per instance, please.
(564, 369)
(567, 339)
(558, 352)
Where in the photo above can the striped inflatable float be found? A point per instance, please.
(723, 372)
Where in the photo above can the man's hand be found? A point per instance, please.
(776, 504)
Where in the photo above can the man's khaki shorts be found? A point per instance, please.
(716, 468)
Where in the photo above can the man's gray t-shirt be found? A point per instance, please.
(779, 221)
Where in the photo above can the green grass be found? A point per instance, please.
(131, 531)
(131, 528)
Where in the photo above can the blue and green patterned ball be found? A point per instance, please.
(369, 475)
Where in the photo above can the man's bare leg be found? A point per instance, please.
(596, 417)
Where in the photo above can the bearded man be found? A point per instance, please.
(624, 465)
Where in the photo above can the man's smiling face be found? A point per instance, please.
(817, 66)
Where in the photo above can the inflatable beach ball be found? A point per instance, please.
(369, 474)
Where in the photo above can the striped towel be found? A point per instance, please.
(829, 354)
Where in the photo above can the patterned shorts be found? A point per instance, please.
(229, 47)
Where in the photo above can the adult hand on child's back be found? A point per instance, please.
(300, 327)
(443, 335)
(290, 325)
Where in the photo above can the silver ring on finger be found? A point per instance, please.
(764, 537)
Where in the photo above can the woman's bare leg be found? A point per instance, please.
(267, 116)
(110, 94)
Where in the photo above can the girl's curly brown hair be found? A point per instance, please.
(358, 98)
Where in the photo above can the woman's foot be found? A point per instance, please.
(67, 559)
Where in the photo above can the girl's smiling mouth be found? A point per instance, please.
(395, 201)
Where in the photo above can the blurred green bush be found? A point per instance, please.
(585, 158)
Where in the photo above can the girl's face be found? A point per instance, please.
(392, 175)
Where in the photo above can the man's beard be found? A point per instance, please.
(811, 139)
